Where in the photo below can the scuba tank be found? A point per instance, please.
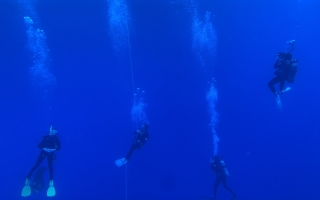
(294, 63)
(225, 170)
(292, 72)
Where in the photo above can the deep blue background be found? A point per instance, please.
(270, 154)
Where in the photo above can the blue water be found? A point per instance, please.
(77, 67)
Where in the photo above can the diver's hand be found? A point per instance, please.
(51, 150)
(48, 150)
(291, 41)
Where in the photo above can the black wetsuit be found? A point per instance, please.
(139, 140)
(221, 177)
(50, 142)
(283, 70)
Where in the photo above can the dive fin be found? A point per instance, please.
(26, 191)
(278, 97)
(283, 91)
(278, 100)
(51, 192)
(287, 89)
(120, 162)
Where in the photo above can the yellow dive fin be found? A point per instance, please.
(26, 191)
(51, 192)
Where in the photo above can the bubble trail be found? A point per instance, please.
(138, 112)
(212, 98)
(40, 74)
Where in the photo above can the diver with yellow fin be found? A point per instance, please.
(286, 69)
(49, 145)
(141, 137)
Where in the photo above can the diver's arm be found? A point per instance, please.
(144, 137)
(147, 136)
(58, 146)
(212, 166)
(41, 144)
(277, 64)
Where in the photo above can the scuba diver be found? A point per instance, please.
(141, 137)
(218, 166)
(286, 69)
(49, 145)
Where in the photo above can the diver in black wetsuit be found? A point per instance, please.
(141, 137)
(283, 65)
(49, 144)
(286, 69)
(218, 166)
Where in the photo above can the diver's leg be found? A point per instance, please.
(133, 147)
(41, 156)
(50, 165)
(215, 188)
(51, 190)
(224, 182)
(272, 82)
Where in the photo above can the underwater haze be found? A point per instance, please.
(202, 68)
